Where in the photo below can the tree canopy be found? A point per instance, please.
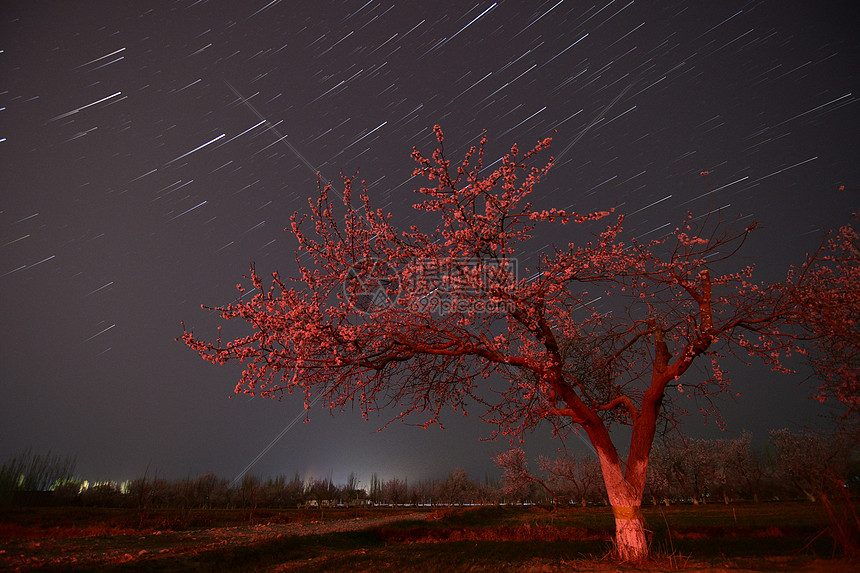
(830, 302)
(420, 318)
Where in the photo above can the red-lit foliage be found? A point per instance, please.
(357, 328)
(829, 299)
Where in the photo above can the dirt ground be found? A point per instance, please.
(25, 553)
(55, 548)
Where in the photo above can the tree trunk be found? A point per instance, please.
(625, 497)
(630, 540)
(625, 489)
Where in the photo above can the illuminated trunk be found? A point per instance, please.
(625, 497)
(630, 540)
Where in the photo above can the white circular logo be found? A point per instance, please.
(371, 285)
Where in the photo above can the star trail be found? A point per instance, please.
(151, 151)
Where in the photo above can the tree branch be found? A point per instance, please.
(621, 401)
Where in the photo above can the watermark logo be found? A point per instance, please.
(371, 285)
(441, 287)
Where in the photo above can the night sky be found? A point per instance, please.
(137, 185)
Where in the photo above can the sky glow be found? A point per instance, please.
(151, 151)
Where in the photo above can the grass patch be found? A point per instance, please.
(712, 532)
(487, 539)
(87, 521)
(490, 556)
(264, 555)
(802, 514)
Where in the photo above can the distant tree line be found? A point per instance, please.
(29, 471)
(805, 464)
(791, 465)
(252, 491)
(818, 466)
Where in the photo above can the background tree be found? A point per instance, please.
(700, 470)
(249, 491)
(699, 466)
(375, 493)
(423, 492)
(395, 491)
(820, 465)
(576, 479)
(674, 462)
(830, 300)
(351, 491)
(458, 489)
(517, 480)
(746, 468)
(204, 486)
(658, 477)
(419, 319)
(564, 479)
(323, 491)
(294, 491)
(488, 492)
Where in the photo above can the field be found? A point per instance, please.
(766, 537)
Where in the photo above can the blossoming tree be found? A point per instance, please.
(420, 318)
(565, 479)
(830, 302)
